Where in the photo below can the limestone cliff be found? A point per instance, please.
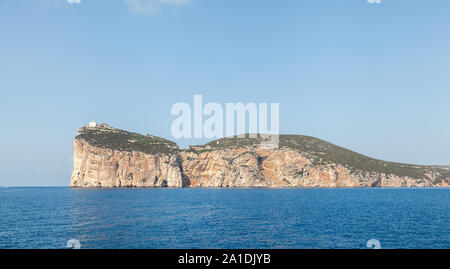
(108, 157)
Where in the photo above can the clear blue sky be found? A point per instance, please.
(374, 78)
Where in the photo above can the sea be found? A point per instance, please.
(47, 218)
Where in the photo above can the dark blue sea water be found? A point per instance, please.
(224, 218)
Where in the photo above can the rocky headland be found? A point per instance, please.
(106, 157)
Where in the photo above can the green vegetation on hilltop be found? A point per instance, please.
(107, 137)
(326, 153)
(234, 142)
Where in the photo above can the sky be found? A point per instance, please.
(371, 76)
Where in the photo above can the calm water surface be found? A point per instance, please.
(224, 218)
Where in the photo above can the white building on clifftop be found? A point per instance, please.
(92, 124)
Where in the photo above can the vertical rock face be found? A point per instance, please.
(96, 167)
(108, 157)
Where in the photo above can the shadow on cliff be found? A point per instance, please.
(186, 181)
